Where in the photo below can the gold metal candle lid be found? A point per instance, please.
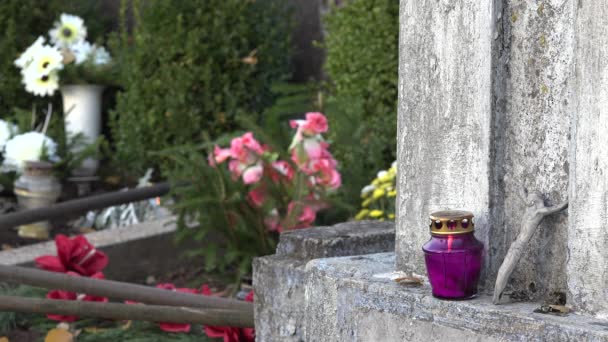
(451, 222)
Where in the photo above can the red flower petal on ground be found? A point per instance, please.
(175, 327)
(229, 334)
(61, 295)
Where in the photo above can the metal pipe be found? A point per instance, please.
(115, 311)
(117, 290)
(82, 205)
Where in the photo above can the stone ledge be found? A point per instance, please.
(350, 238)
(345, 301)
(279, 279)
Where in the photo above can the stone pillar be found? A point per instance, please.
(499, 94)
(533, 102)
(588, 212)
(444, 119)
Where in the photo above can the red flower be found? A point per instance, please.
(174, 327)
(66, 295)
(230, 334)
(63, 295)
(76, 254)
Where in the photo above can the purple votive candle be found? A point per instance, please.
(453, 255)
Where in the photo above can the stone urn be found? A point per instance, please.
(82, 117)
(36, 188)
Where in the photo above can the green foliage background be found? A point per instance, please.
(22, 21)
(183, 72)
(362, 64)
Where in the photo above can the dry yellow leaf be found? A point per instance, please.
(59, 335)
(4, 339)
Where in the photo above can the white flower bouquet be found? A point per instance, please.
(16, 148)
(68, 55)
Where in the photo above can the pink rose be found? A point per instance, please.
(283, 168)
(221, 154)
(316, 123)
(236, 168)
(326, 174)
(306, 216)
(253, 174)
(257, 196)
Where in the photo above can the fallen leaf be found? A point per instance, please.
(252, 59)
(59, 335)
(4, 339)
(127, 325)
(409, 281)
(94, 330)
(560, 308)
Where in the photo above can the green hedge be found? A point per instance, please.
(184, 72)
(22, 21)
(362, 64)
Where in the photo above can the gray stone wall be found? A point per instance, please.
(444, 117)
(499, 94)
(587, 231)
(533, 101)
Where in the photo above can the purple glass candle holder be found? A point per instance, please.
(453, 255)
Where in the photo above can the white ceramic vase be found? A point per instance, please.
(82, 115)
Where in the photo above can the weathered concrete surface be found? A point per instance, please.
(444, 119)
(135, 252)
(533, 99)
(350, 238)
(346, 301)
(588, 234)
(279, 279)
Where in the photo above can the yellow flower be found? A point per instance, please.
(378, 193)
(366, 202)
(391, 216)
(362, 214)
(392, 193)
(376, 213)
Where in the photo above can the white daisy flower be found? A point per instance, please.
(26, 147)
(7, 130)
(102, 56)
(82, 51)
(41, 85)
(45, 60)
(381, 174)
(68, 31)
(26, 57)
